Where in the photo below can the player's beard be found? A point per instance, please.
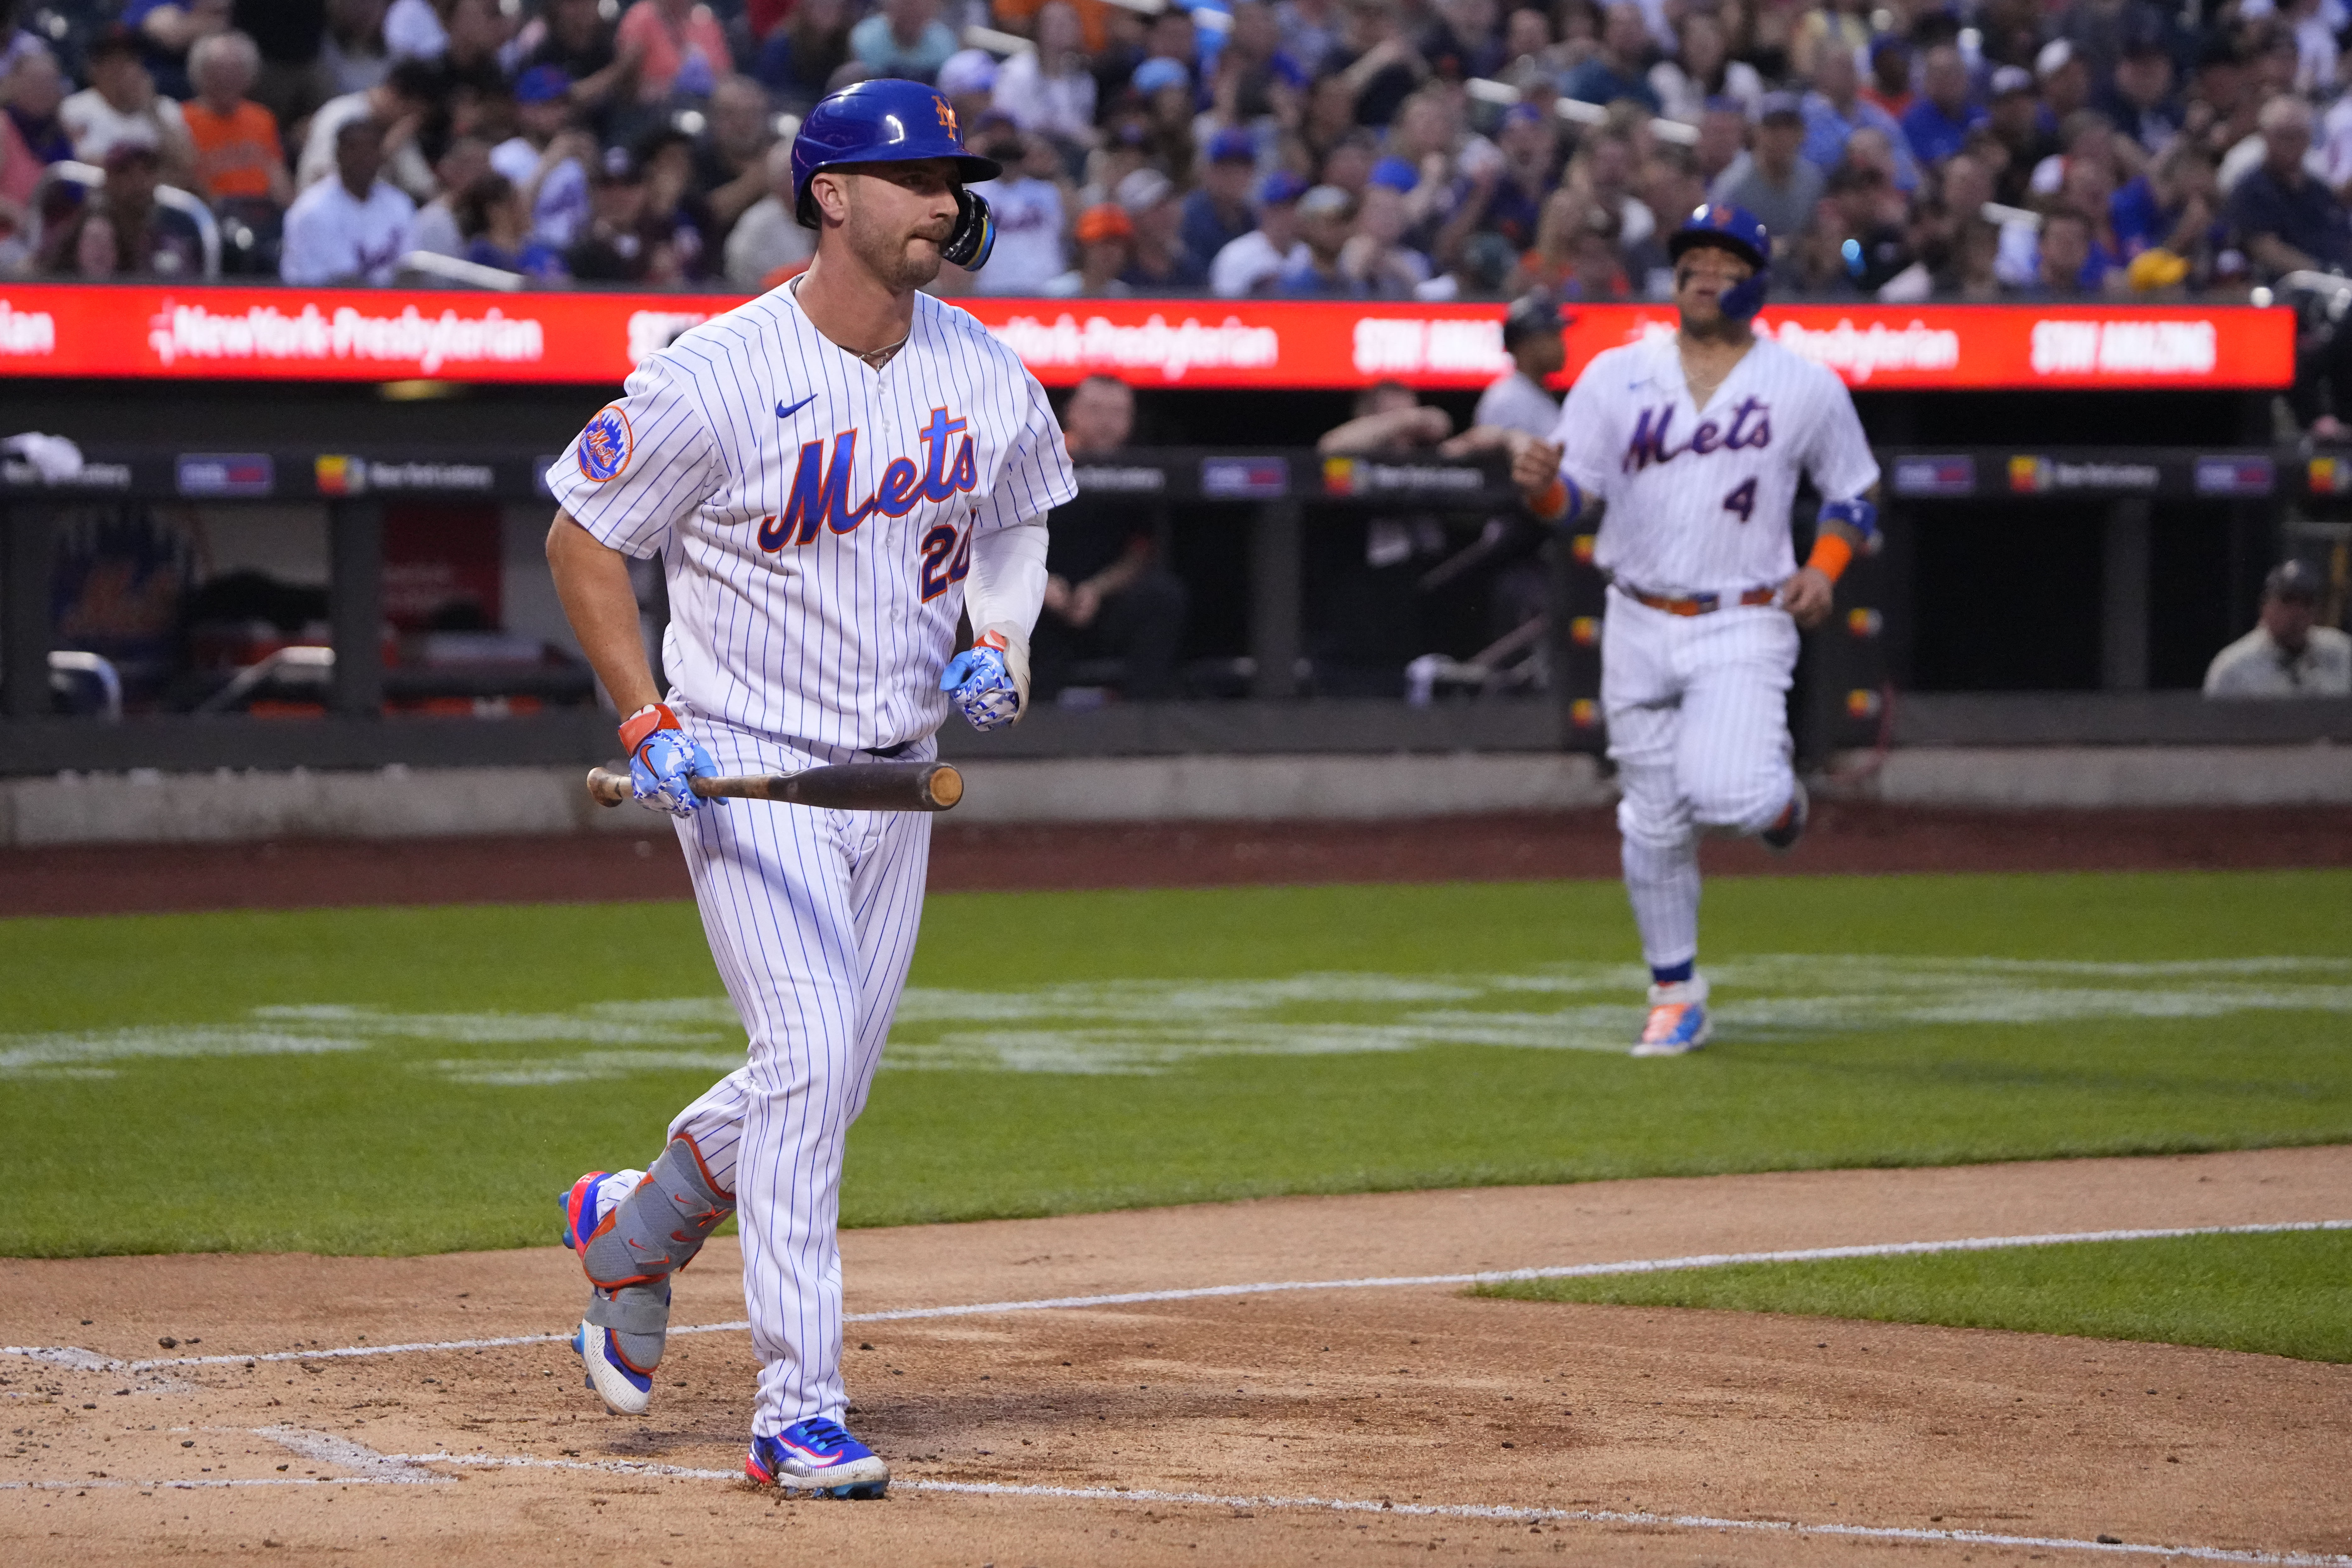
(900, 260)
(1708, 324)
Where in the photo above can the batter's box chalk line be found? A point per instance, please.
(80, 1360)
(373, 1468)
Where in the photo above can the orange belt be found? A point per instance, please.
(1697, 604)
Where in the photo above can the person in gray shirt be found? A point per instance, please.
(1518, 401)
(2286, 654)
(1770, 180)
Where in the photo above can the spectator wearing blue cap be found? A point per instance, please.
(1938, 123)
(968, 77)
(1161, 106)
(1159, 75)
(574, 37)
(903, 38)
(1250, 264)
(1616, 70)
(1890, 76)
(547, 160)
(1376, 254)
(1218, 211)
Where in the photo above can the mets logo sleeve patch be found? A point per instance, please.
(642, 465)
(604, 443)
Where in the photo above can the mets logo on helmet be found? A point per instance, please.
(604, 444)
(946, 117)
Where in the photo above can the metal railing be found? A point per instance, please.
(91, 179)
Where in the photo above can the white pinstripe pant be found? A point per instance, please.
(1698, 727)
(812, 916)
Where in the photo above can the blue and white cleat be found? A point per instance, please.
(1678, 1023)
(819, 1456)
(625, 1390)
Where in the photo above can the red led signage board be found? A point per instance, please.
(207, 333)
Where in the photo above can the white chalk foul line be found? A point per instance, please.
(394, 1468)
(90, 1361)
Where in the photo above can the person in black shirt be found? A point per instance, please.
(1107, 595)
(2287, 221)
(574, 38)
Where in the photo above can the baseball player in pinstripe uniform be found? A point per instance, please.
(1694, 445)
(829, 475)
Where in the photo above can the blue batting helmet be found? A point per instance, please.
(888, 120)
(1738, 231)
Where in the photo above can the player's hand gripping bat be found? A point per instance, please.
(847, 787)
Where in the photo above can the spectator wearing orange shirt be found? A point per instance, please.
(239, 156)
(1093, 19)
(681, 49)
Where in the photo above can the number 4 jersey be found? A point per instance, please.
(814, 516)
(1698, 500)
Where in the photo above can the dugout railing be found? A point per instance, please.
(1841, 703)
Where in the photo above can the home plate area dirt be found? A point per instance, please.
(1373, 1423)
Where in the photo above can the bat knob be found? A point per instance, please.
(943, 786)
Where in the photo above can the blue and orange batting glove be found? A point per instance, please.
(662, 758)
(989, 681)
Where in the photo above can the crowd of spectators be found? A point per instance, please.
(1430, 149)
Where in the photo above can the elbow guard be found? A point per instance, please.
(1859, 514)
(1831, 552)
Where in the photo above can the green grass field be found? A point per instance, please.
(2287, 1294)
(422, 1080)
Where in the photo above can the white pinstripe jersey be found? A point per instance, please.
(815, 516)
(1698, 500)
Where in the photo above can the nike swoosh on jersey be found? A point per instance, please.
(785, 411)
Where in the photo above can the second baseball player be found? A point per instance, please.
(1686, 452)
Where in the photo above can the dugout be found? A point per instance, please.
(2059, 565)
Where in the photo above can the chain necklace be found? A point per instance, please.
(878, 357)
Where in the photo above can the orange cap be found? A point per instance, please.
(1107, 221)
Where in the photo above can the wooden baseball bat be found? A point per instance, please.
(846, 786)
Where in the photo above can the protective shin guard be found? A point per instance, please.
(638, 1316)
(659, 1228)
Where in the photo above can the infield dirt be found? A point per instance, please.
(1403, 1394)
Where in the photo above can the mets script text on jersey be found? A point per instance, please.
(820, 495)
(1651, 427)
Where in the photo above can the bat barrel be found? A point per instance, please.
(847, 787)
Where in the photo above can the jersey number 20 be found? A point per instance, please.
(1742, 500)
(947, 558)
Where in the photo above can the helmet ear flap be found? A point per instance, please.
(1744, 298)
(975, 235)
